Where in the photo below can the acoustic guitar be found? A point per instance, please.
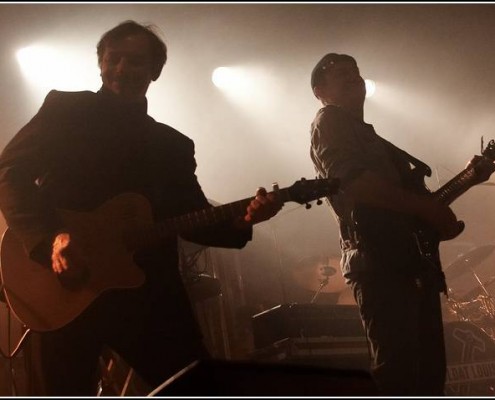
(111, 234)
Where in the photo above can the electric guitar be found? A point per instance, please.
(392, 229)
(111, 234)
(470, 176)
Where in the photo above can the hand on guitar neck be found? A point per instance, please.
(263, 207)
(483, 167)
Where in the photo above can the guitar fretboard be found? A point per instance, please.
(189, 222)
(213, 215)
(458, 185)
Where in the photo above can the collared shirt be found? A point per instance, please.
(343, 147)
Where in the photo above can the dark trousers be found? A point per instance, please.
(65, 362)
(403, 324)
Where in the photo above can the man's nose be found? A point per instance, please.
(122, 65)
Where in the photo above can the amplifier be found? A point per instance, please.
(305, 320)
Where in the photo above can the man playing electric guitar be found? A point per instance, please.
(390, 227)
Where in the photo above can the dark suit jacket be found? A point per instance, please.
(83, 148)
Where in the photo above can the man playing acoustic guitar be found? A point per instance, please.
(78, 152)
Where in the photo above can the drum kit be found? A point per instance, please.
(473, 301)
(469, 324)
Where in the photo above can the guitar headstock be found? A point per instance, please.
(306, 190)
(485, 165)
(489, 151)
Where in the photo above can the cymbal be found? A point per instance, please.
(310, 272)
(465, 262)
(473, 293)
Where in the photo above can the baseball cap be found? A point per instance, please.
(326, 62)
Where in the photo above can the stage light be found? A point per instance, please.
(252, 87)
(370, 87)
(38, 63)
(223, 77)
(57, 67)
(234, 81)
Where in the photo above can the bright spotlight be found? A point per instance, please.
(55, 67)
(370, 87)
(234, 81)
(246, 85)
(37, 63)
(223, 77)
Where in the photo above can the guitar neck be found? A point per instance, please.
(302, 192)
(458, 185)
(206, 217)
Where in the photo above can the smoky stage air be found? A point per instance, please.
(433, 66)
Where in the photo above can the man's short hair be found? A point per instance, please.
(318, 74)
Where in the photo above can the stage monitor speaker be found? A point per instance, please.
(243, 378)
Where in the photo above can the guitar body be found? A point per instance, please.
(35, 293)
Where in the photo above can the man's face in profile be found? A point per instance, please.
(343, 84)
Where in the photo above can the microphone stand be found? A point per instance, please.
(327, 271)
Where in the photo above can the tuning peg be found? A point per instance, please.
(275, 187)
(308, 206)
(319, 202)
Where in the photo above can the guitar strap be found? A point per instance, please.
(418, 164)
